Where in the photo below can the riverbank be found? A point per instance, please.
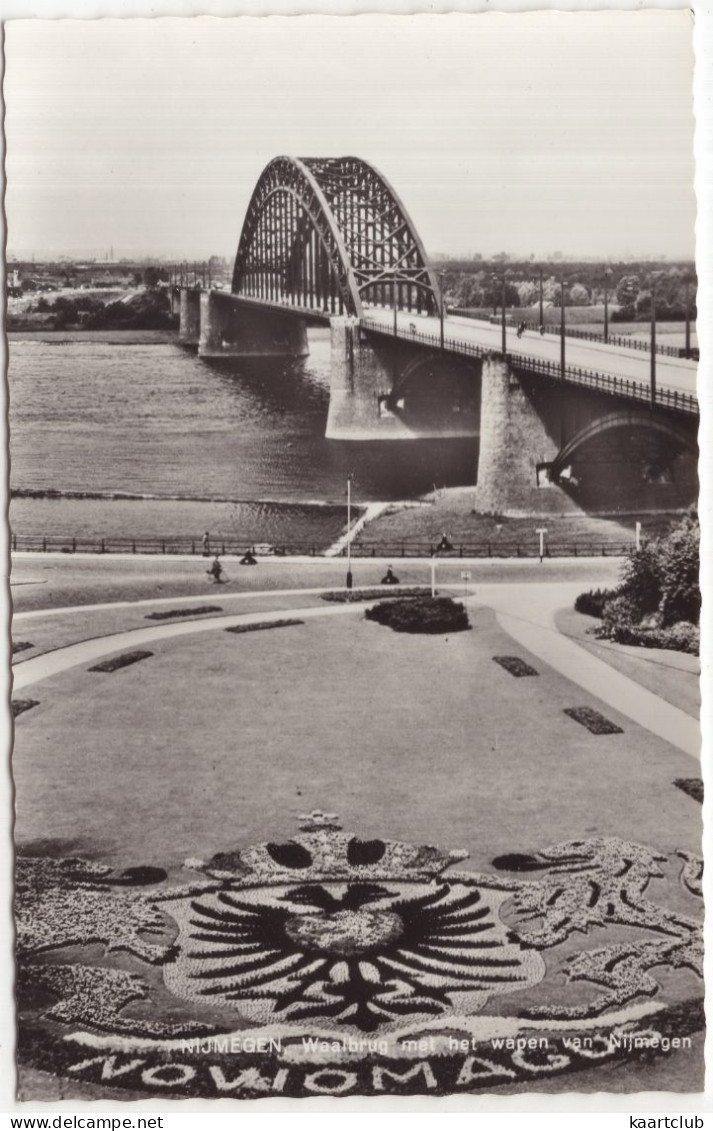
(107, 337)
(421, 525)
(177, 525)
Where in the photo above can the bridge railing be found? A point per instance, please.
(574, 375)
(360, 548)
(576, 332)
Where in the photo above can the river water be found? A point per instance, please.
(149, 419)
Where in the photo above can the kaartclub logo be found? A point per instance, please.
(329, 964)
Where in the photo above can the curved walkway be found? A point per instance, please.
(525, 612)
(530, 619)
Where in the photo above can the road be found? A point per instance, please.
(618, 361)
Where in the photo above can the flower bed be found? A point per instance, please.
(692, 786)
(122, 661)
(347, 595)
(202, 609)
(264, 624)
(423, 614)
(20, 705)
(592, 720)
(21, 646)
(515, 666)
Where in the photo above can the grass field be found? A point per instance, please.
(423, 738)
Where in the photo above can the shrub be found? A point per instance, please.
(641, 583)
(592, 603)
(679, 568)
(423, 614)
(658, 603)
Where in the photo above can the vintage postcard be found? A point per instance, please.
(354, 533)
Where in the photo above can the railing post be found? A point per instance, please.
(74, 545)
(133, 547)
(102, 549)
(14, 541)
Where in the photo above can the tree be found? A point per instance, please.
(579, 295)
(679, 567)
(155, 275)
(627, 292)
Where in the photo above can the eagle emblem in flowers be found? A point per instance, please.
(369, 934)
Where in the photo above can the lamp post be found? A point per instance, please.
(562, 319)
(542, 305)
(541, 530)
(653, 342)
(441, 276)
(503, 317)
(394, 303)
(350, 579)
(607, 276)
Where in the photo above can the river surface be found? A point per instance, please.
(150, 419)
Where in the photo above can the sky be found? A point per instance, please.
(527, 133)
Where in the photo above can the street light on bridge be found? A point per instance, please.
(441, 276)
(607, 276)
(688, 316)
(654, 280)
(562, 325)
(542, 305)
(503, 319)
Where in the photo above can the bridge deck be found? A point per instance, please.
(673, 375)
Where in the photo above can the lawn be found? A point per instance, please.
(224, 739)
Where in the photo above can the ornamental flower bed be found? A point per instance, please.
(200, 611)
(431, 615)
(346, 596)
(592, 720)
(20, 705)
(692, 786)
(515, 666)
(262, 625)
(122, 661)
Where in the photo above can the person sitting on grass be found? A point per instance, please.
(390, 577)
(216, 571)
(444, 545)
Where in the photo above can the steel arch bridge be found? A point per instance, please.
(329, 236)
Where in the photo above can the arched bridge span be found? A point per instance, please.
(671, 432)
(330, 236)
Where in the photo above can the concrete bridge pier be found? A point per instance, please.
(514, 443)
(361, 379)
(190, 316)
(229, 328)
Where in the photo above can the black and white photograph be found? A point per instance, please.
(353, 524)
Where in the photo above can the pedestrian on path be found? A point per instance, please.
(206, 545)
(390, 577)
(248, 558)
(216, 571)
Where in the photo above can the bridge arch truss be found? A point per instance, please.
(670, 430)
(330, 236)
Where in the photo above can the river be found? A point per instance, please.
(238, 450)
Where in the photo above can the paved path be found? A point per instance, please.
(526, 612)
(618, 361)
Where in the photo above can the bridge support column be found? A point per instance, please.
(513, 442)
(361, 379)
(190, 316)
(229, 328)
